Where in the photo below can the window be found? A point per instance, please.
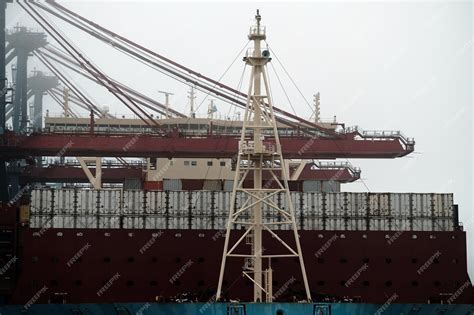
(209, 163)
(222, 163)
(186, 163)
(193, 163)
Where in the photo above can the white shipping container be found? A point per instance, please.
(64, 201)
(156, 202)
(110, 201)
(133, 201)
(400, 224)
(400, 204)
(334, 204)
(443, 205)
(356, 204)
(421, 205)
(86, 201)
(41, 200)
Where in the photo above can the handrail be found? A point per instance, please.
(380, 134)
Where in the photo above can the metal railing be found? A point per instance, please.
(380, 134)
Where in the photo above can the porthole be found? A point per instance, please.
(107, 234)
(320, 236)
(177, 235)
(59, 234)
(414, 236)
(130, 234)
(79, 234)
(364, 236)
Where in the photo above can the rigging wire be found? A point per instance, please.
(289, 76)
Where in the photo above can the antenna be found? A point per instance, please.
(317, 108)
(167, 101)
(66, 101)
(211, 109)
(192, 97)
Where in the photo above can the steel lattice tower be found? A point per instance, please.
(260, 153)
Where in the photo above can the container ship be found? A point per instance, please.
(144, 215)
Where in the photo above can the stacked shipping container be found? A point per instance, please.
(137, 209)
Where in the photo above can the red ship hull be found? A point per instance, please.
(359, 265)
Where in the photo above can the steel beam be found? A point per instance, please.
(140, 145)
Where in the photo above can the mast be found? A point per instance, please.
(258, 154)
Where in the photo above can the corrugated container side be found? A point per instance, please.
(330, 186)
(212, 184)
(421, 205)
(111, 201)
(64, 201)
(228, 185)
(132, 183)
(311, 186)
(133, 201)
(400, 204)
(172, 184)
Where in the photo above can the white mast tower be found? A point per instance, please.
(259, 152)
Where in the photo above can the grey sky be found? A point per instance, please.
(380, 65)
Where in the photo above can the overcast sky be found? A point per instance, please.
(380, 65)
